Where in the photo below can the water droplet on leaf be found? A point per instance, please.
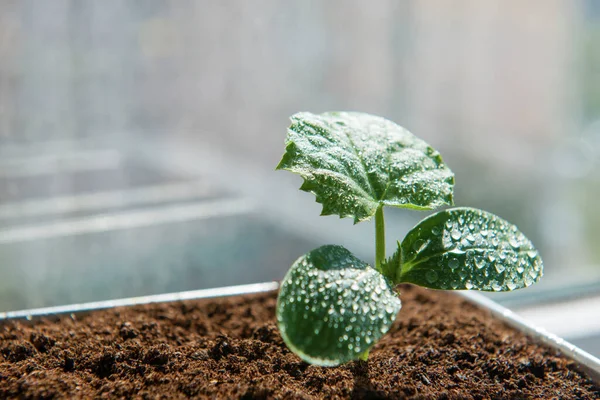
(431, 276)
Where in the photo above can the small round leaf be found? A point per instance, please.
(333, 307)
(466, 248)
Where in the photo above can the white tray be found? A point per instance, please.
(587, 363)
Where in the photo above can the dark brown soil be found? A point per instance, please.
(441, 347)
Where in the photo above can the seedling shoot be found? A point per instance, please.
(333, 307)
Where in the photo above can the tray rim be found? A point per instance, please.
(586, 362)
(32, 313)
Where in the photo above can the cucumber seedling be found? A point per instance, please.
(333, 307)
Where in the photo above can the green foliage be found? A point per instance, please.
(355, 162)
(465, 248)
(333, 307)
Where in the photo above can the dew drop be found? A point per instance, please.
(479, 262)
(532, 273)
(447, 242)
(431, 276)
(418, 245)
(455, 234)
(453, 263)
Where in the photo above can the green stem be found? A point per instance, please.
(379, 238)
(364, 356)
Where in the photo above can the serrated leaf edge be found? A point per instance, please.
(306, 176)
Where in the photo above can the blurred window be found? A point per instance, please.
(138, 139)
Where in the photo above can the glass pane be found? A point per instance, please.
(138, 139)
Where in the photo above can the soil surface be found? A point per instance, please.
(441, 347)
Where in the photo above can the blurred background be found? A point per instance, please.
(138, 139)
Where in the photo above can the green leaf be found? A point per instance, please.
(466, 248)
(332, 307)
(353, 162)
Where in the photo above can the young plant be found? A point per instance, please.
(332, 306)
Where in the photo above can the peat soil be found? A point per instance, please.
(441, 347)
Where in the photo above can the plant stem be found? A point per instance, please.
(364, 356)
(379, 239)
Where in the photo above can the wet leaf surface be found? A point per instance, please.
(333, 307)
(466, 248)
(354, 162)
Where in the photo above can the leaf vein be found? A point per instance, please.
(439, 254)
(364, 166)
